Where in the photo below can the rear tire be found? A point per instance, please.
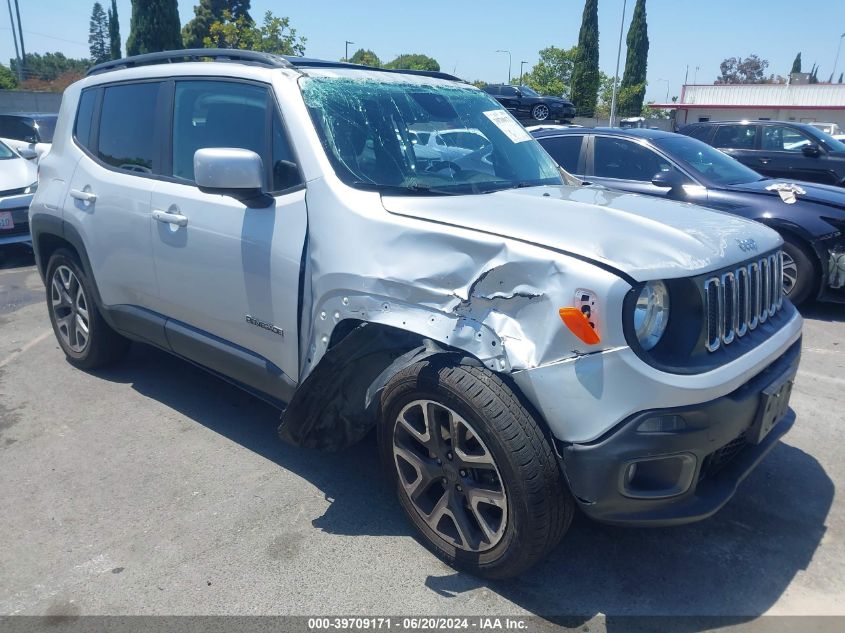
(540, 112)
(484, 490)
(799, 271)
(84, 336)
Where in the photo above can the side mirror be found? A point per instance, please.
(811, 149)
(229, 171)
(668, 179)
(28, 153)
(519, 93)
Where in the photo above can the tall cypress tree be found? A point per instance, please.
(636, 62)
(154, 27)
(114, 32)
(98, 35)
(796, 65)
(585, 76)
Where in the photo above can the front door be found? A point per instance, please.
(623, 164)
(228, 270)
(784, 145)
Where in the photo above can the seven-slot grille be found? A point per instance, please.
(737, 301)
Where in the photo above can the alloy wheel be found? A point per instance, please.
(790, 273)
(70, 309)
(449, 476)
(541, 112)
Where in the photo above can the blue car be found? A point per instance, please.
(810, 217)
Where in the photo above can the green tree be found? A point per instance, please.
(98, 35)
(814, 74)
(585, 76)
(796, 64)
(154, 27)
(552, 75)
(114, 32)
(365, 58)
(636, 64)
(8, 79)
(413, 61)
(49, 66)
(275, 35)
(206, 13)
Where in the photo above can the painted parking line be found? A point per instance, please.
(25, 347)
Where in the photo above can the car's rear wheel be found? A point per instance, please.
(799, 272)
(540, 112)
(472, 468)
(86, 339)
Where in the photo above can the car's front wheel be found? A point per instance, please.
(86, 339)
(540, 112)
(472, 468)
(799, 273)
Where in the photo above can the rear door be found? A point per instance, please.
(628, 165)
(783, 147)
(740, 141)
(509, 98)
(229, 275)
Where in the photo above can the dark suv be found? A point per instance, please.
(29, 134)
(778, 149)
(525, 103)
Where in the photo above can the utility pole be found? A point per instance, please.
(346, 59)
(20, 35)
(15, 40)
(616, 76)
(521, 64)
(509, 63)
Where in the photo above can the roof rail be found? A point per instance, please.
(194, 55)
(308, 62)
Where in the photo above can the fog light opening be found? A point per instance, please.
(658, 477)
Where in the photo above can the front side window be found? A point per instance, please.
(508, 91)
(625, 160)
(5, 152)
(735, 136)
(14, 128)
(565, 150)
(779, 138)
(371, 131)
(127, 134)
(705, 161)
(45, 128)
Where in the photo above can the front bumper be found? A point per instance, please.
(19, 207)
(709, 456)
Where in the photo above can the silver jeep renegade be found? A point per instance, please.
(391, 249)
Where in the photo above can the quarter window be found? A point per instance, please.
(624, 160)
(735, 136)
(565, 150)
(127, 136)
(84, 114)
(285, 171)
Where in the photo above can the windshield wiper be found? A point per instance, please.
(412, 189)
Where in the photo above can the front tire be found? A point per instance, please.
(473, 471)
(86, 339)
(799, 271)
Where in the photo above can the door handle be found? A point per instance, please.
(765, 161)
(85, 196)
(176, 219)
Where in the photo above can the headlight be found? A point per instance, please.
(651, 314)
(31, 188)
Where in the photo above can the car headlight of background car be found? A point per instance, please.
(651, 314)
(31, 188)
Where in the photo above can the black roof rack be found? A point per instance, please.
(253, 58)
(194, 55)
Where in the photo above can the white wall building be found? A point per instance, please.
(805, 103)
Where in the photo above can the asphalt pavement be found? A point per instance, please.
(155, 488)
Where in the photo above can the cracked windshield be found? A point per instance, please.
(397, 137)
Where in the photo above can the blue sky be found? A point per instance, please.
(463, 35)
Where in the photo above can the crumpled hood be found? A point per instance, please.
(16, 173)
(814, 192)
(644, 237)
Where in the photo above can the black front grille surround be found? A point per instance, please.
(738, 301)
(742, 303)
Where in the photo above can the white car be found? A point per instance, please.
(451, 148)
(17, 184)
(828, 128)
(523, 344)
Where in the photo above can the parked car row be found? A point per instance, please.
(525, 103)
(809, 217)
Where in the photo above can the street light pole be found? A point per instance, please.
(347, 50)
(616, 75)
(836, 61)
(521, 64)
(509, 62)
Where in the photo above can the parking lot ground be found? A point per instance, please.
(155, 488)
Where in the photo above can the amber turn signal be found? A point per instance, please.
(579, 325)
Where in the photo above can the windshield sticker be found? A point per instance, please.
(788, 192)
(505, 122)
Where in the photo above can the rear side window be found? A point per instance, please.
(508, 91)
(17, 129)
(127, 134)
(624, 160)
(701, 132)
(84, 116)
(565, 150)
(735, 136)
